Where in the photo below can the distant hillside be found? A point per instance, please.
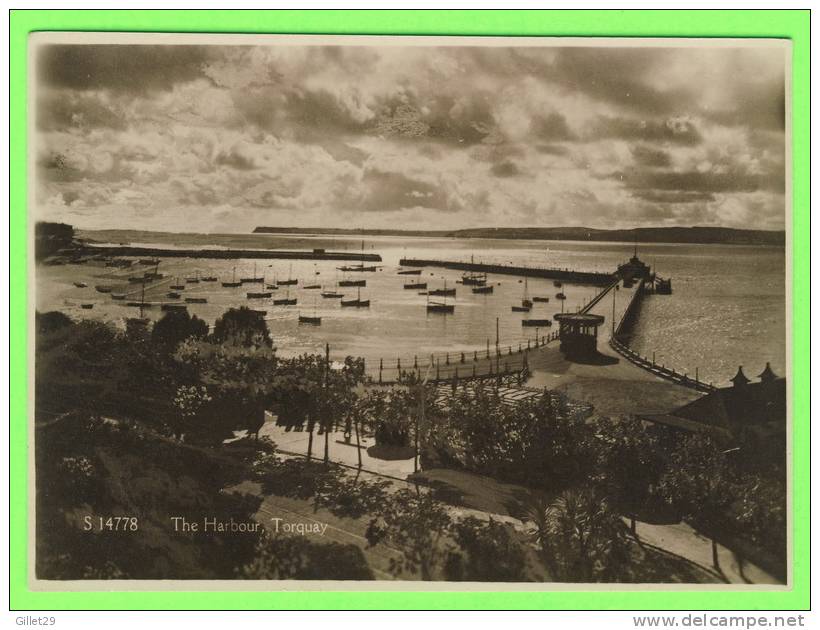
(715, 235)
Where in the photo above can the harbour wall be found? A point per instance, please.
(157, 252)
(567, 275)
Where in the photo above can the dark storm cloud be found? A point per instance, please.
(62, 168)
(342, 152)
(550, 127)
(389, 191)
(121, 68)
(64, 110)
(648, 156)
(552, 149)
(458, 119)
(319, 109)
(300, 114)
(614, 75)
(70, 196)
(700, 182)
(403, 120)
(756, 107)
(505, 169)
(677, 130)
(666, 196)
(235, 160)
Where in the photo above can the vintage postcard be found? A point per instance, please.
(409, 312)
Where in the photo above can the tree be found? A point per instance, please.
(418, 525)
(629, 464)
(176, 326)
(242, 327)
(540, 443)
(190, 402)
(51, 321)
(699, 483)
(581, 538)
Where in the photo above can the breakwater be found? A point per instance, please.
(566, 275)
(224, 254)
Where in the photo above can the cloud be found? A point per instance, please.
(649, 156)
(551, 127)
(449, 136)
(235, 160)
(616, 75)
(675, 130)
(552, 149)
(62, 109)
(665, 196)
(389, 191)
(132, 69)
(706, 182)
(505, 169)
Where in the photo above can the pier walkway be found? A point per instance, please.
(612, 383)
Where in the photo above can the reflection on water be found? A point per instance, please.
(727, 306)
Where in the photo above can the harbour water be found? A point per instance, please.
(727, 307)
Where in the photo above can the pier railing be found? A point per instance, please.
(618, 342)
(491, 361)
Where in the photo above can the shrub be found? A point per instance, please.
(488, 552)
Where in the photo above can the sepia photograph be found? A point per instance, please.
(381, 311)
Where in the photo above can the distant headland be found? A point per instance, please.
(697, 234)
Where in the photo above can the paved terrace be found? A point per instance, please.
(613, 385)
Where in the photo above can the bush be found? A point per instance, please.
(297, 558)
(488, 552)
(582, 539)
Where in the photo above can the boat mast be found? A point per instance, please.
(142, 301)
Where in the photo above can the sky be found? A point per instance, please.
(224, 138)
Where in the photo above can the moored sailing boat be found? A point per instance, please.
(232, 283)
(332, 294)
(291, 281)
(314, 319)
(473, 278)
(360, 266)
(285, 301)
(253, 279)
(358, 302)
(526, 301)
(440, 307)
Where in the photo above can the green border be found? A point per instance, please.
(787, 24)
